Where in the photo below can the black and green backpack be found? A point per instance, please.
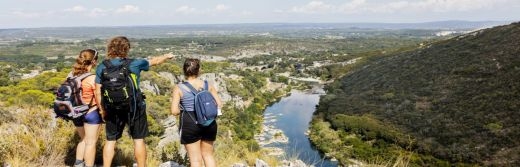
(119, 88)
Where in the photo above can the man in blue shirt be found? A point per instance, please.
(116, 119)
(136, 66)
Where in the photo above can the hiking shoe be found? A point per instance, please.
(82, 164)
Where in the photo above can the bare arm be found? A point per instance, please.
(213, 92)
(160, 59)
(176, 99)
(99, 101)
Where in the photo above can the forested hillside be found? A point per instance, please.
(451, 102)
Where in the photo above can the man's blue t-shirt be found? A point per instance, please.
(136, 66)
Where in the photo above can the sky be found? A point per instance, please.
(73, 13)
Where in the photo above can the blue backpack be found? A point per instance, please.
(205, 105)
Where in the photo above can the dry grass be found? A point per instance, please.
(227, 153)
(33, 138)
(401, 160)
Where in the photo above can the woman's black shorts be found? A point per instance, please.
(191, 132)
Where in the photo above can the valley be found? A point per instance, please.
(392, 96)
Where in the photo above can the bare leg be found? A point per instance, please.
(80, 149)
(91, 136)
(207, 153)
(108, 153)
(140, 152)
(194, 154)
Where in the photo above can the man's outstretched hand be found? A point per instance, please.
(169, 55)
(161, 59)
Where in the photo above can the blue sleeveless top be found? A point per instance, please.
(187, 99)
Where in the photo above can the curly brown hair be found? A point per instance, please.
(118, 46)
(191, 67)
(85, 58)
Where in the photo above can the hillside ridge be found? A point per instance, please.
(456, 98)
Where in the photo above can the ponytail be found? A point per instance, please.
(85, 58)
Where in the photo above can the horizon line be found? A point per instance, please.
(252, 23)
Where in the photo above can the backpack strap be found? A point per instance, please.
(126, 62)
(133, 77)
(107, 63)
(193, 119)
(91, 101)
(206, 85)
(192, 89)
(83, 76)
(70, 75)
(195, 91)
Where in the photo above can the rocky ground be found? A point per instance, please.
(171, 124)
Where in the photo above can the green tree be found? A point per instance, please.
(35, 97)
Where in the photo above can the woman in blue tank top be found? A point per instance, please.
(198, 140)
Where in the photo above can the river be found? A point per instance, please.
(285, 125)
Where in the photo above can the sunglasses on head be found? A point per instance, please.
(95, 53)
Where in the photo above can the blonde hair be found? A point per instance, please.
(85, 58)
(118, 46)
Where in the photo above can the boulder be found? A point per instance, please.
(150, 87)
(171, 164)
(171, 134)
(295, 163)
(239, 165)
(174, 79)
(261, 163)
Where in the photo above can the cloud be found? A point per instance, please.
(97, 12)
(28, 15)
(221, 7)
(22, 14)
(185, 10)
(403, 6)
(435, 6)
(128, 9)
(453, 5)
(352, 6)
(313, 7)
(246, 13)
(77, 8)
